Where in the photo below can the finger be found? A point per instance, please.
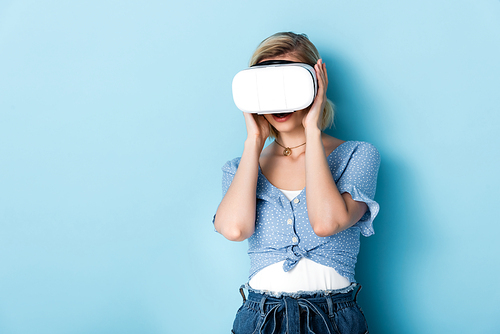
(323, 73)
(247, 116)
(320, 70)
(323, 82)
(321, 78)
(326, 74)
(250, 119)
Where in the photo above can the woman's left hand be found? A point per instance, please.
(314, 116)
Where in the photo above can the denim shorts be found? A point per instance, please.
(318, 312)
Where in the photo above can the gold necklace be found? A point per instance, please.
(287, 150)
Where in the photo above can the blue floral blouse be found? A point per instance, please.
(282, 228)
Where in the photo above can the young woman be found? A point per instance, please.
(302, 203)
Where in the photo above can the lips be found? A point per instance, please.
(282, 117)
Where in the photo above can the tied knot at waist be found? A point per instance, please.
(287, 312)
(293, 255)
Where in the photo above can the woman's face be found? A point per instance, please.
(286, 122)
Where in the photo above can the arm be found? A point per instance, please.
(235, 217)
(329, 211)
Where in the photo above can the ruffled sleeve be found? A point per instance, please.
(360, 180)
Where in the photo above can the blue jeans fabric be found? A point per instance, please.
(318, 312)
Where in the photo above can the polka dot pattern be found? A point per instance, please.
(282, 228)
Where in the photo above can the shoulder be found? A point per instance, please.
(359, 148)
(333, 144)
(231, 166)
(355, 153)
(367, 150)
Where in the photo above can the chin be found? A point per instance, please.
(289, 127)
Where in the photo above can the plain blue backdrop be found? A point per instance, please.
(116, 116)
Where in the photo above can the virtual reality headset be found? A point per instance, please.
(275, 86)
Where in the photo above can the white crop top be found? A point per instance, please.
(307, 275)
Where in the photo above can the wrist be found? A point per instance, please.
(312, 133)
(254, 144)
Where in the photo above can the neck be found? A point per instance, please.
(290, 139)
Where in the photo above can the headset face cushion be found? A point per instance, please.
(275, 88)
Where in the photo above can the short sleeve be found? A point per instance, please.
(360, 180)
(228, 171)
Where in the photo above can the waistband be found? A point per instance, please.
(344, 293)
(310, 310)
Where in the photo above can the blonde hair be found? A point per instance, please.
(300, 46)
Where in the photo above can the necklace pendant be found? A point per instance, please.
(287, 151)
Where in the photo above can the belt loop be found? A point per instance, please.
(330, 305)
(359, 289)
(242, 293)
(262, 304)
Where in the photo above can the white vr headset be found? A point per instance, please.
(275, 86)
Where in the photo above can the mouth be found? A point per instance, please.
(282, 117)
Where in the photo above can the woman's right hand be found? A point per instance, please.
(257, 128)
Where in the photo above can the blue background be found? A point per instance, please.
(116, 116)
